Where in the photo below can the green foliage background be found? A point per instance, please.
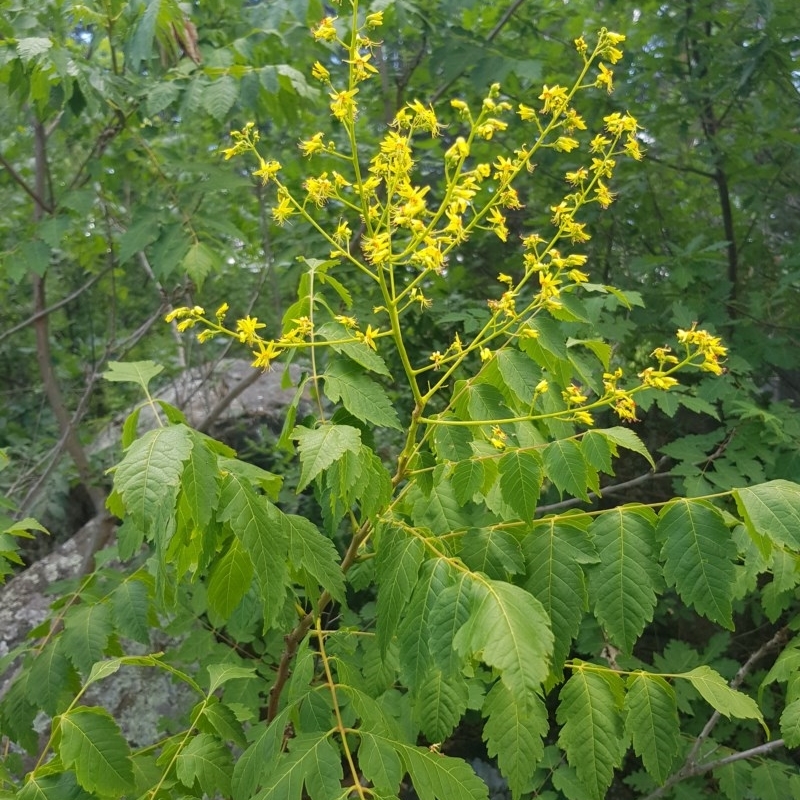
(624, 649)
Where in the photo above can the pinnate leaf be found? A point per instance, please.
(398, 561)
(790, 724)
(149, 475)
(312, 760)
(521, 475)
(698, 555)
(567, 468)
(249, 514)
(623, 585)
(555, 552)
(772, 510)
(229, 580)
(87, 629)
(314, 553)
(514, 729)
(510, 630)
(592, 732)
(92, 745)
(362, 397)
(208, 761)
(320, 447)
(625, 437)
(651, 720)
(716, 692)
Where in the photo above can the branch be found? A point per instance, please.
(50, 309)
(612, 488)
(700, 769)
(691, 767)
(20, 181)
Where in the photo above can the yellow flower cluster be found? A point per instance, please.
(709, 347)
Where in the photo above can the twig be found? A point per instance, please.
(20, 181)
(55, 306)
(612, 488)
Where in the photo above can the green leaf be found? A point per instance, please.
(52, 679)
(229, 580)
(198, 262)
(790, 724)
(413, 634)
(623, 585)
(514, 729)
(450, 611)
(592, 727)
(597, 451)
(519, 372)
(510, 631)
(494, 552)
(251, 520)
(139, 372)
(554, 553)
(716, 692)
(92, 745)
(521, 475)
(320, 447)
(312, 760)
(87, 629)
(219, 96)
(772, 511)
(62, 786)
(149, 475)
(567, 468)
(467, 479)
(698, 554)
(32, 46)
(438, 777)
(207, 761)
(651, 720)
(316, 554)
(200, 481)
(362, 354)
(452, 442)
(380, 762)
(361, 396)
(625, 437)
(219, 674)
(130, 606)
(440, 702)
(399, 557)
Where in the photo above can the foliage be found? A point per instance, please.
(445, 572)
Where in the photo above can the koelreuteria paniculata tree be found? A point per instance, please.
(432, 582)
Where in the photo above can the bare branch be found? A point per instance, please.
(21, 182)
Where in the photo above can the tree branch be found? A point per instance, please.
(20, 181)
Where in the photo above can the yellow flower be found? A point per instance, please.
(267, 170)
(573, 396)
(555, 99)
(320, 72)
(265, 354)
(343, 105)
(486, 354)
(605, 79)
(348, 322)
(437, 359)
(526, 113)
(584, 417)
(626, 409)
(325, 31)
(541, 387)
(368, 337)
(221, 312)
(284, 209)
(374, 20)
(319, 189)
(566, 144)
(312, 145)
(248, 328)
